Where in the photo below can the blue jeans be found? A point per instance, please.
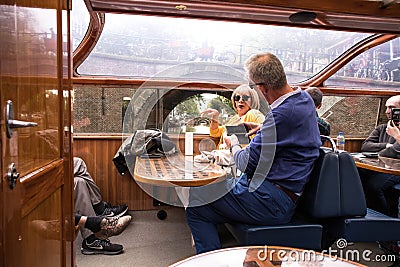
(268, 205)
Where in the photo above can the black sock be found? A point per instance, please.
(99, 207)
(93, 224)
(77, 219)
(90, 239)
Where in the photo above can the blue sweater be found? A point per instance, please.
(285, 148)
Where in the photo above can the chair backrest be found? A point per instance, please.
(334, 188)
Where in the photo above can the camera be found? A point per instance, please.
(395, 116)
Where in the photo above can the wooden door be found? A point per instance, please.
(36, 209)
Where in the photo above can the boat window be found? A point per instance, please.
(186, 116)
(99, 109)
(136, 46)
(80, 19)
(355, 116)
(378, 68)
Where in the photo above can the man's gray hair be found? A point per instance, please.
(266, 68)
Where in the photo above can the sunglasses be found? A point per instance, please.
(244, 97)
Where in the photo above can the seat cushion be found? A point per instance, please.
(374, 226)
(297, 233)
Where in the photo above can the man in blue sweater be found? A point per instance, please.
(276, 164)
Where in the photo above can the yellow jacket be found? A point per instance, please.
(253, 115)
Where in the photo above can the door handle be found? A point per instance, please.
(11, 124)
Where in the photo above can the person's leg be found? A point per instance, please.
(80, 171)
(77, 219)
(103, 227)
(92, 192)
(376, 186)
(87, 194)
(204, 229)
(82, 203)
(273, 207)
(98, 243)
(83, 206)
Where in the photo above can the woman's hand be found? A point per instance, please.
(213, 113)
(393, 130)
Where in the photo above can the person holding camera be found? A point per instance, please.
(384, 139)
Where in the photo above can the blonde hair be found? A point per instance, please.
(245, 89)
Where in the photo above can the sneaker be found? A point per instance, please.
(111, 226)
(101, 247)
(114, 211)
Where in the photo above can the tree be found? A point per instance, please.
(221, 103)
(190, 106)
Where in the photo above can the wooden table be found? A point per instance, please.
(379, 164)
(262, 256)
(176, 170)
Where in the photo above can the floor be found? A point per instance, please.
(151, 242)
(148, 241)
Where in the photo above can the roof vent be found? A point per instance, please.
(303, 16)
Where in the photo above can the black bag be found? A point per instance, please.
(142, 142)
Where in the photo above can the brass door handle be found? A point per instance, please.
(11, 123)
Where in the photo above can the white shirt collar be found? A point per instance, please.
(279, 101)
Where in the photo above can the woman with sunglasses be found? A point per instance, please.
(246, 104)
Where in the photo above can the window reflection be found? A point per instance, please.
(79, 22)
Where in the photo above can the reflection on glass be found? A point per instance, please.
(79, 22)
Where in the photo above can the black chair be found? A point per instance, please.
(332, 206)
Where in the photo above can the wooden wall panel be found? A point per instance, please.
(98, 152)
(352, 144)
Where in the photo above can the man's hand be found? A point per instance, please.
(252, 127)
(231, 140)
(393, 130)
(233, 143)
